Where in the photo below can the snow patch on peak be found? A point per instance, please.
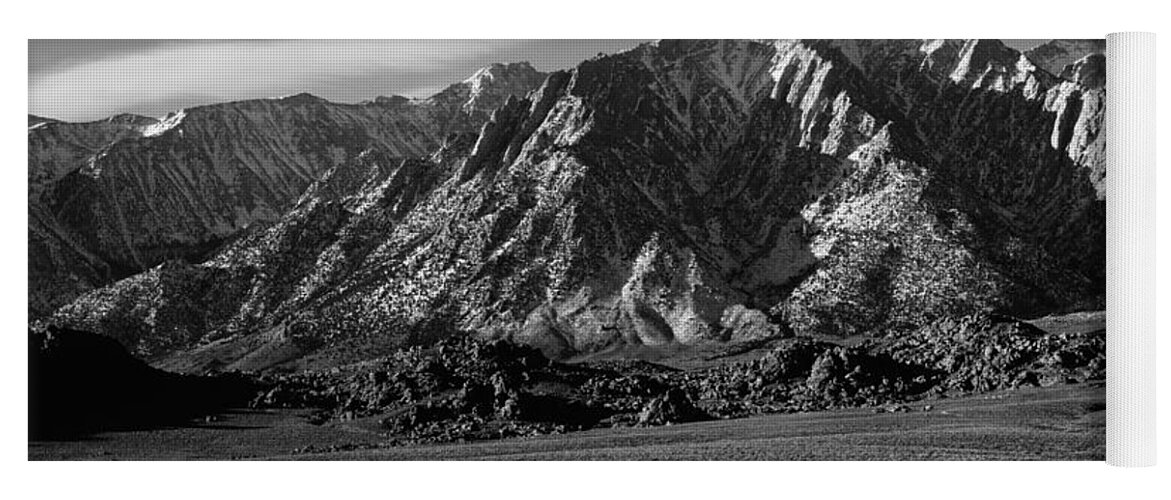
(479, 81)
(485, 73)
(171, 121)
(490, 85)
(489, 73)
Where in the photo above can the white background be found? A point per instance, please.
(548, 19)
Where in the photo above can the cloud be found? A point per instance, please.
(55, 55)
(81, 80)
(166, 73)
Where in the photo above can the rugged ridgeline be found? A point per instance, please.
(111, 198)
(679, 192)
(1054, 56)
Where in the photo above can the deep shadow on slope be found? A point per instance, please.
(81, 383)
(463, 390)
(1036, 216)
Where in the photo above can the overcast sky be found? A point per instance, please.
(81, 80)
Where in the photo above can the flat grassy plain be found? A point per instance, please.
(1052, 423)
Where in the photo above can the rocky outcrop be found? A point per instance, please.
(984, 352)
(460, 389)
(653, 196)
(673, 407)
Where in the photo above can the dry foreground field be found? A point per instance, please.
(1054, 423)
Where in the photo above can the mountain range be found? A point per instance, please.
(681, 192)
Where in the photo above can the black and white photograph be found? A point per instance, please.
(711, 249)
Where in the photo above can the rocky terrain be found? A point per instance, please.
(682, 232)
(680, 193)
(461, 389)
(465, 390)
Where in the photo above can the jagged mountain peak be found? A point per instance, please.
(301, 98)
(986, 64)
(1054, 55)
(990, 64)
(674, 50)
(979, 53)
(1089, 71)
(488, 88)
(833, 186)
(501, 70)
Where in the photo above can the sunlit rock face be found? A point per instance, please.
(682, 192)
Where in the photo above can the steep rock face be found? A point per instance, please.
(1007, 219)
(480, 94)
(654, 196)
(1054, 55)
(1079, 102)
(132, 191)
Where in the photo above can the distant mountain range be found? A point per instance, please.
(111, 198)
(679, 192)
